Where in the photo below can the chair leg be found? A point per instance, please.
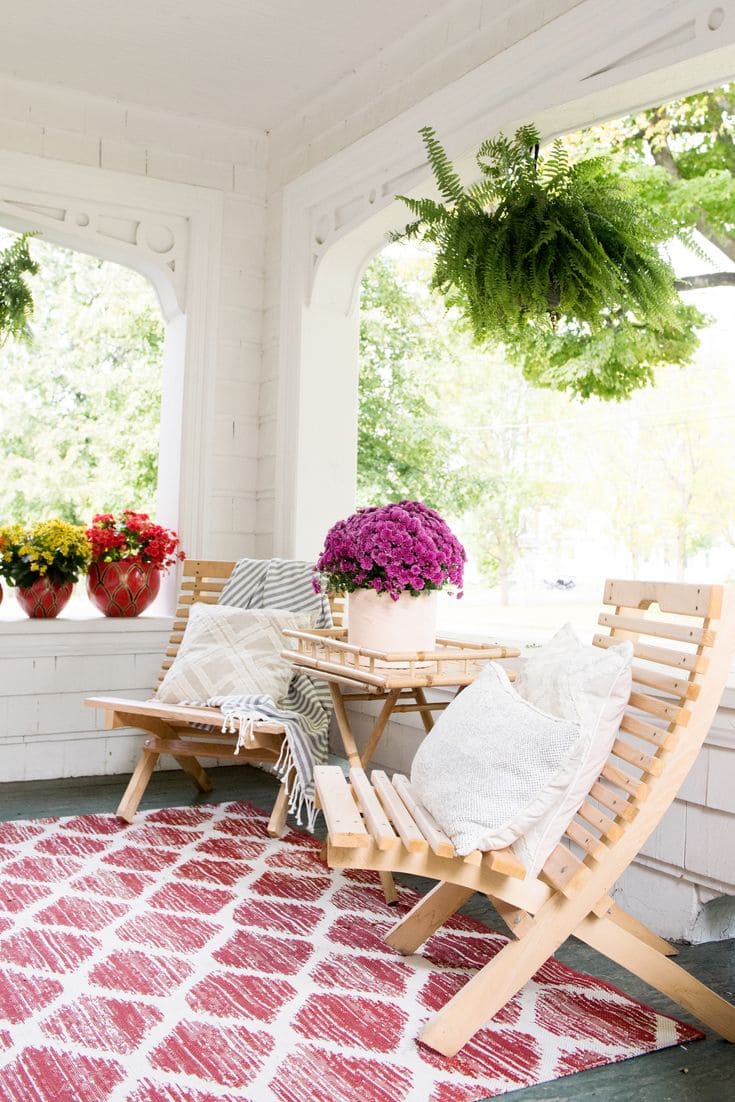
(489, 990)
(427, 916)
(279, 814)
(633, 926)
(142, 774)
(137, 785)
(195, 771)
(654, 968)
(518, 921)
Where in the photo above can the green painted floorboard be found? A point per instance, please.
(702, 1072)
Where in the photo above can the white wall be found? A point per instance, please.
(47, 669)
(54, 126)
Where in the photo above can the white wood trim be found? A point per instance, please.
(189, 296)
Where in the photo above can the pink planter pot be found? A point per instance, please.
(376, 622)
(124, 588)
(44, 599)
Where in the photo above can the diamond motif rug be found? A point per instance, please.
(190, 958)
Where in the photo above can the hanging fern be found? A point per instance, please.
(16, 301)
(541, 244)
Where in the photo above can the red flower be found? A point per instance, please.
(133, 536)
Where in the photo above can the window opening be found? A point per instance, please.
(551, 494)
(81, 407)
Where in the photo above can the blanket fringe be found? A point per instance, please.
(300, 802)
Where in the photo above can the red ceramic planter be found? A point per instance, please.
(44, 599)
(124, 588)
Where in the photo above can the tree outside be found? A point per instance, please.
(79, 419)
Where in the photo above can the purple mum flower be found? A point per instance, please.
(400, 547)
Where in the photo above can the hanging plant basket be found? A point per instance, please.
(541, 243)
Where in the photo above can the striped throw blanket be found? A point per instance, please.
(306, 709)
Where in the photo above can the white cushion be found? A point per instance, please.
(493, 764)
(586, 684)
(229, 650)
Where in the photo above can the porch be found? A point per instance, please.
(251, 189)
(699, 1071)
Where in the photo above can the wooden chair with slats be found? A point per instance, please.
(676, 691)
(172, 729)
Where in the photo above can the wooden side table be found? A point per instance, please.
(398, 679)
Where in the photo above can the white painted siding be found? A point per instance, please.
(47, 669)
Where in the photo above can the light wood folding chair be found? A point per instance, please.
(676, 692)
(172, 728)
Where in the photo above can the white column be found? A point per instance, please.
(326, 436)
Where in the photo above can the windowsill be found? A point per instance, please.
(91, 625)
(81, 616)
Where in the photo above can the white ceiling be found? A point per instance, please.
(243, 62)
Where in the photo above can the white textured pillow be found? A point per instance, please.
(231, 650)
(579, 682)
(493, 764)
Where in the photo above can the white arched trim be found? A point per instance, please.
(172, 234)
(599, 60)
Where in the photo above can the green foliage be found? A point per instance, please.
(408, 349)
(680, 159)
(16, 300)
(439, 422)
(79, 420)
(619, 358)
(540, 243)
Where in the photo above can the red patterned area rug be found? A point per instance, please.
(190, 958)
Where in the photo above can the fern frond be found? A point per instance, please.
(447, 180)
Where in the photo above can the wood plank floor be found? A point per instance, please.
(701, 1072)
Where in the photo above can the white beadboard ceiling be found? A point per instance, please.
(242, 62)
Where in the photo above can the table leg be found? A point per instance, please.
(426, 717)
(340, 712)
(380, 724)
(389, 887)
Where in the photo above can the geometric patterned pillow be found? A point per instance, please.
(226, 649)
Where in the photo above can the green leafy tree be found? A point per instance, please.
(681, 159)
(79, 421)
(505, 427)
(16, 299)
(618, 358)
(678, 159)
(663, 474)
(409, 347)
(436, 425)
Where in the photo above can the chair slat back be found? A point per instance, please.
(203, 580)
(664, 726)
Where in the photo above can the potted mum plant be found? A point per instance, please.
(130, 553)
(391, 560)
(43, 562)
